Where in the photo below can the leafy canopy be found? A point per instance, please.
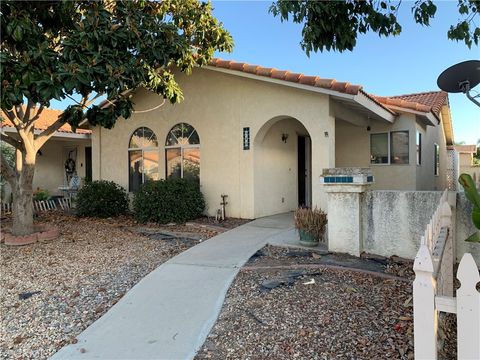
(335, 25)
(58, 49)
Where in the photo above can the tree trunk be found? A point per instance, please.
(22, 190)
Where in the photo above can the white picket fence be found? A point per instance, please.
(44, 205)
(433, 289)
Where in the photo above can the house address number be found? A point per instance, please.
(246, 138)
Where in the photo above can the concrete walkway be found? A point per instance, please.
(170, 312)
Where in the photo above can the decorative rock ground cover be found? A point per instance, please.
(276, 309)
(51, 291)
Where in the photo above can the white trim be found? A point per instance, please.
(56, 134)
(429, 116)
(369, 104)
(360, 98)
(436, 153)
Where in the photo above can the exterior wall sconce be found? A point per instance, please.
(325, 133)
(284, 138)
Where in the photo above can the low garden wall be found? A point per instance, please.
(394, 221)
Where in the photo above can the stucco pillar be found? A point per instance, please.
(344, 188)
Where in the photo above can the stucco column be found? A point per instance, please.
(344, 188)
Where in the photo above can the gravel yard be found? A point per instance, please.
(317, 312)
(50, 292)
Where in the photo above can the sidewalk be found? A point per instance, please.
(170, 312)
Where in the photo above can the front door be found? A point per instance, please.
(304, 171)
(88, 163)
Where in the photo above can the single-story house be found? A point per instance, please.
(262, 136)
(65, 153)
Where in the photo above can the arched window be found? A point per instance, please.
(143, 156)
(182, 153)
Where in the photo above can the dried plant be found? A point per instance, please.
(313, 221)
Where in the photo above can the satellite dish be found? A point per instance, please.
(461, 77)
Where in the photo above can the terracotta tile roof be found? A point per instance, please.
(48, 117)
(424, 101)
(286, 75)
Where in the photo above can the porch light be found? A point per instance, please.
(284, 137)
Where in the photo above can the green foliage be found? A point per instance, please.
(101, 199)
(335, 25)
(58, 49)
(473, 196)
(171, 200)
(8, 153)
(312, 221)
(41, 195)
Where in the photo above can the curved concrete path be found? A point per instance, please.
(170, 312)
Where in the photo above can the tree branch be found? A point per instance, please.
(47, 134)
(13, 118)
(10, 140)
(6, 170)
(19, 113)
(26, 116)
(32, 120)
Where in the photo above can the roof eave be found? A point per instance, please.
(56, 134)
(430, 117)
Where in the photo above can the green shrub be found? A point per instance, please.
(41, 195)
(171, 200)
(101, 199)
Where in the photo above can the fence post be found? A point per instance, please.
(424, 314)
(468, 309)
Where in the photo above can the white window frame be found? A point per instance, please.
(436, 154)
(389, 136)
(418, 152)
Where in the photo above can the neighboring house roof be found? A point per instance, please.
(47, 118)
(469, 149)
(423, 101)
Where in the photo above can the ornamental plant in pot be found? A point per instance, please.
(311, 225)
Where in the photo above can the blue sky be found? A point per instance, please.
(408, 63)
(399, 65)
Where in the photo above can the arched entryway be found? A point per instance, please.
(282, 166)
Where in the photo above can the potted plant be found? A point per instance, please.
(311, 225)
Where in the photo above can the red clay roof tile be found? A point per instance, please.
(324, 83)
(293, 77)
(279, 74)
(263, 71)
(307, 80)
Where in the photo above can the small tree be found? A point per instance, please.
(86, 50)
(335, 25)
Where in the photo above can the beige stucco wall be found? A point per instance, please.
(353, 149)
(426, 178)
(465, 159)
(219, 106)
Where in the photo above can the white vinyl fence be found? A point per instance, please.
(44, 205)
(433, 289)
